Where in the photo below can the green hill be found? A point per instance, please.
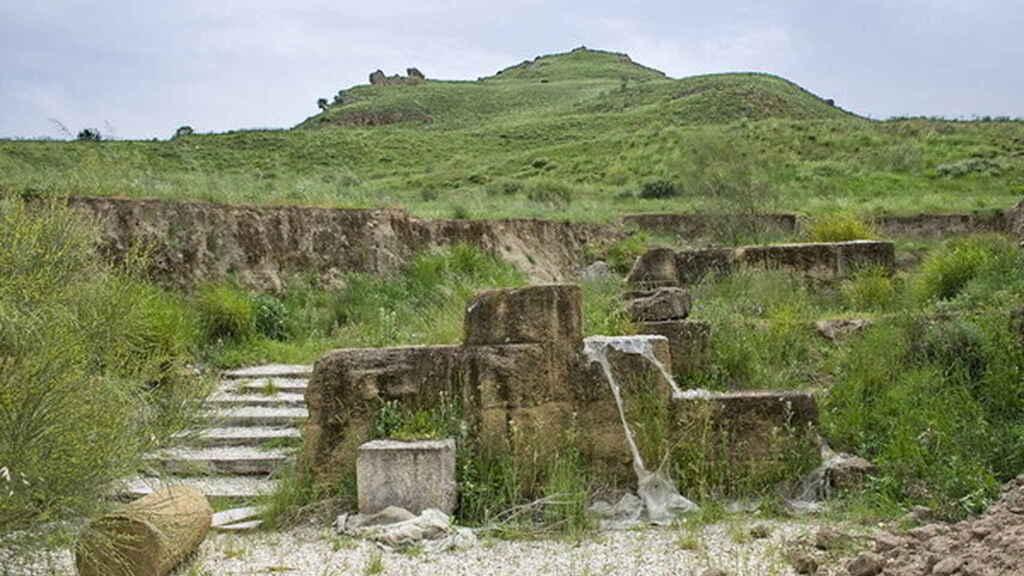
(575, 135)
(579, 82)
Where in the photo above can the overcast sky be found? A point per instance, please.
(143, 68)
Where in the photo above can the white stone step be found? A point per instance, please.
(242, 436)
(222, 488)
(266, 385)
(256, 416)
(271, 370)
(240, 460)
(236, 515)
(246, 526)
(282, 399)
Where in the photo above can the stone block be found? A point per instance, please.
(694, 265)
(415, 476)
(689, 342)
(515, 375)
(860, 254)
(817, 260)
(656, 267)
(349, 386)
(645, 397)
(752, 425)
(780, 408)
(666, 303)
(549, 314)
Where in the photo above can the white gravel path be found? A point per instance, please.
(317, 552)
(311, 551)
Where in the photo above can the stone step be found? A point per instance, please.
(282, 399)
(216, 488)
(270, 371)
(247, 526)
(243, 436)
(240, 460)
(257, 416)
(233, 516)
(266, 385)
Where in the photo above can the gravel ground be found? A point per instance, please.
(309, 551)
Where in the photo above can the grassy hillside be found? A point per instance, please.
(574, 136)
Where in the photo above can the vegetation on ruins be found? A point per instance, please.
(97, 362)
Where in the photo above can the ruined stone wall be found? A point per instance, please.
(194, 242)
(520, 381)
(817, 260)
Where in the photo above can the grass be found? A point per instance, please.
(575, 137)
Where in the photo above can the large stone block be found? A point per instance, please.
(739, 443)
(689, 342)
(656, 267)
(667, 303)
(548, 314)
(694, 265)
(515, 375)
(415, 476)
(349, 386)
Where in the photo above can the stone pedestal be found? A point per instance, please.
(411, 475)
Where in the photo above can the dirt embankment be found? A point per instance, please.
(194, 242)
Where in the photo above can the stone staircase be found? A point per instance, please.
(252, 428)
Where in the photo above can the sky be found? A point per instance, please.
(139, 69)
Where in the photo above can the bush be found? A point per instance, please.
(654, 189)
(227, 313)
(839, 227)
(946, 272)
(270, 317)
(91, 368)
(89, 135)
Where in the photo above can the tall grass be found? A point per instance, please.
(91, 367)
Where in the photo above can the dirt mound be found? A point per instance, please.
(991, 545)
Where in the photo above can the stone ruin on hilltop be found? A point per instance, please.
(412, 76)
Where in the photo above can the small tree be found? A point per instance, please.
(183, 131)
(90, 135)
(322, 104)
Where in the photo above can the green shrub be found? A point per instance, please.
(656, 189)
(91, 368)
(839, 227)
(270, 316)
(949, 270)
(227, 313)
(871, 289)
